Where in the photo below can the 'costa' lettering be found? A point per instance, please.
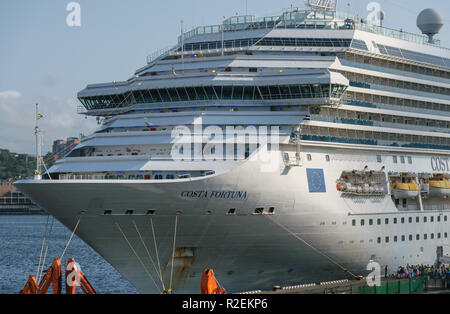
(439, 164)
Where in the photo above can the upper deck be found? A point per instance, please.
(291, 19)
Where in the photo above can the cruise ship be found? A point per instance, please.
(279, 150)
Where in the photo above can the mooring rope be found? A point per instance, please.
(137, 256)
(148, 253)
(310, 246)
(173, 252)
(42, 247)
(70, 239)
(156, 250)
(46, 249)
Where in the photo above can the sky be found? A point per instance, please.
(45, 61)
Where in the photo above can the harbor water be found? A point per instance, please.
(20, 248)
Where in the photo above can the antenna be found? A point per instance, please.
(182, 46)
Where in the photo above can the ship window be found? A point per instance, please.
(378, 158)
(151, 212)
(107, 212)
(410, 219)
(327, 158)
(353, 222)
(395, 220)
(387, 239)
(431, 218)
(402, 159)
(425, 236)
(308, 156)
(438, 218)
(271, 210)
(439, 235)
(379, 240)
(378, 221)
(425, 219)
(129, 212)
(445, 234)
(395, 238)
(386, 221)
(417, 219)
(370, 221)
(410, 237)
(403, 238)
(432, 236)
(445, 218)
(403, 220)
(362, 222)
(394, 158)
(404, 202)
(417, 236)
(259, 210)
(231, 211)
(409, 160)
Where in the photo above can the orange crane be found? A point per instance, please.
(77, 277)
(53, 276)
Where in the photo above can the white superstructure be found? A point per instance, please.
(358, 167)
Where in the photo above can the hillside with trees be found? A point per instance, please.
(18, 166)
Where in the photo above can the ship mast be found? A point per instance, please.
(38, 171)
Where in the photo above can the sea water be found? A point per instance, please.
(20, 249)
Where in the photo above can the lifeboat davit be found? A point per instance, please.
(439, 187)
(405, 190)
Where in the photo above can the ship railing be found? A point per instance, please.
(303, 19)
(82, 177)
(294, 18)
(160, 53)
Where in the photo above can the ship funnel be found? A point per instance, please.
(430, 22)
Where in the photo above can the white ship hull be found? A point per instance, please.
(247, 251)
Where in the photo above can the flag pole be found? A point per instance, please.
(37, 173)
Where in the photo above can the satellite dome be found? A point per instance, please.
(430, 22)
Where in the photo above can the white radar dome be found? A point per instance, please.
(430, 22)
